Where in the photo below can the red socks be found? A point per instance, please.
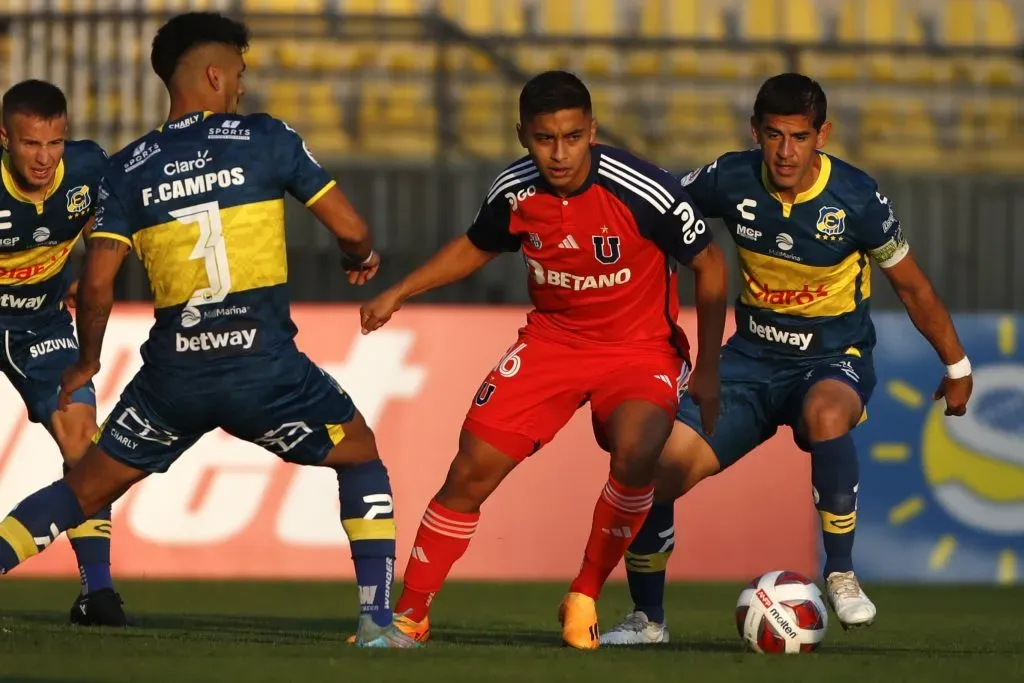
(618, 516)
(441, 540)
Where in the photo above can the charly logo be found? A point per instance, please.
(953, 491)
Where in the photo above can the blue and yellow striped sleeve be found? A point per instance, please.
(112, 219)
(302, 175)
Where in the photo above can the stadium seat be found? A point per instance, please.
(284, 6)
(284, 100)
(688, 20)
(898, 135)
(983, 22)
(397, 118)
(653, 18)
(786, 20)
(700, 126)
(597, 20)
(876, 22)
(486, 119)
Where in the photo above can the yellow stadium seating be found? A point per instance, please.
(368, 96)
(284, 6)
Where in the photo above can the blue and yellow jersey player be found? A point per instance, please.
(807, 227)
(201, 202)
(47, 201)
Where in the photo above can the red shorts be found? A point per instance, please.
(539, 384)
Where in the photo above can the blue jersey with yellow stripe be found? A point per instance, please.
(36, 238)
(805, 266)
(201, 201)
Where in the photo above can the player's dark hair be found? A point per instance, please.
(192, 29)
(552, 91)
(791, 94)
(34, 98)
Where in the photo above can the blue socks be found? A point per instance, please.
(91, 543)
(367, 515)
(36, 522)
(834, 475)
(647, 559)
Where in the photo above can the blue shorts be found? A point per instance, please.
(760, 394)
(34, 362)
(287, 405)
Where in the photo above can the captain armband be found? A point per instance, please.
(892, 252)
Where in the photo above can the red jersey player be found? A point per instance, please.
(601, 232)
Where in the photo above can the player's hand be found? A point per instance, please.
(705, 387)
(957, 393)
(360, 272)
(71, 298)
(377, 311)
(73, 379)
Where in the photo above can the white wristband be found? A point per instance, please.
(959, 369)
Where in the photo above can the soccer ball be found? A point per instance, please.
(781, 612)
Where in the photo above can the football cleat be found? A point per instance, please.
(403, 633)
(99, 608)
(578, 616)
(848, 600)
(636, 629)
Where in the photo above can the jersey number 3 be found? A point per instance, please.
(211, 248)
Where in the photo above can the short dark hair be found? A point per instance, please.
(552, 91)
(35, 98)
(192, 29)
(791, 94)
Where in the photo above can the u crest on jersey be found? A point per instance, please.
(606, 249)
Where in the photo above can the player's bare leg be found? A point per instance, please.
(97, 604)
(685, 461)
(830, 410)
(445, 531)
(637, 431)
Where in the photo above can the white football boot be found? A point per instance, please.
(636, 629)
(848, 600)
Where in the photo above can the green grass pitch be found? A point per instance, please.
(252, 632)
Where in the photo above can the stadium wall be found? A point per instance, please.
(941, 500)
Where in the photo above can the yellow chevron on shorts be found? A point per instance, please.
(647, 564)
(336, 433)
(92, 528)
(782, 286)
(19, 538)
(359, 529)
(837, 524)
(250, 254)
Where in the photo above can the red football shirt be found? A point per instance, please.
(601, 262)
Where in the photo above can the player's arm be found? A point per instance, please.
(106, 248)
(885, 242)
(683, 234)
(71, 297)
(359, 258)
(457, 260)
(306, 180)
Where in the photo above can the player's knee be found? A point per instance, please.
(685, 461)
(358, 446)
(475, 472)
(825, 420)
(634, 465)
